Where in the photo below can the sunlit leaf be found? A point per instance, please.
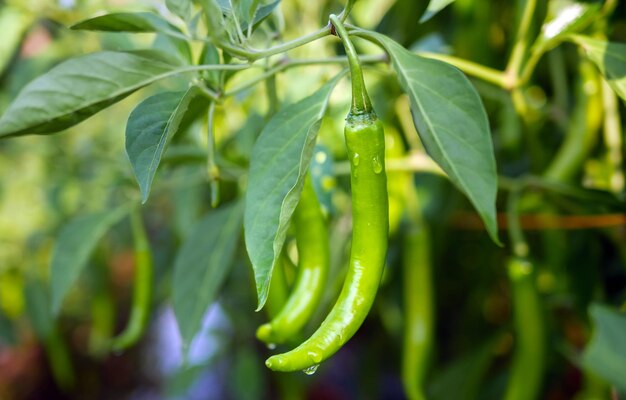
(214, 18)
(280, 159)
(14, 22)
(182, 8)
(72, 249)
(150, 127)
(610, 58)
(564, 17)
(78, 88)
(202, 265)
(452, 123)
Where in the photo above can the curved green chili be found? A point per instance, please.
(526, 374)
(418, 309)
(142, 293)
(365, 142)
(277, 295)
(313, 261)
(584, 128)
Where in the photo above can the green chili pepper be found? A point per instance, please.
(277, 295)
(142, 293)
(313, 261)
(584, 127)
(528, 360)
(365, 142)
(418, 304)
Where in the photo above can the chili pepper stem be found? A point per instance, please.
(361, 103)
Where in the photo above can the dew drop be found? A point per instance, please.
(356, 159)
(271, 346)
(310, 370)
(377, 165)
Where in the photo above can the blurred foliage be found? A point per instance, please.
(48, 180)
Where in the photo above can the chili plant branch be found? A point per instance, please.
(521, 43)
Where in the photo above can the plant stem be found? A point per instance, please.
(471, 68)
(530, 65)
(521, 43)
(254, 55)
(286, 63)
(360, 100)
(212, 168)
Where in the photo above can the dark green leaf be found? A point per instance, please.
(610, 58)
(452, 124)
(38, 307)
(434, 6)
(141, 22)
(261, 14)
(7, 331)
(201, 266)
(605, 355)
(73, 247)
(150, 127)
(279, 161)
(78, 88)
(323, 177)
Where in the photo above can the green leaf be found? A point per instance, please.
(605, 355)
(434, 6)
(209, 56)
(141, 22)
(151, 125)
(279, 161)
(214, 18)
(564, 17)
(610, 58)
(8, 336)
(182, 8)
(14, 22)
(261, 14)
(174, 46)
(462, 378)
(73, 247)
(78, 88)
(38, 307)
(201, 266)
(452, 123)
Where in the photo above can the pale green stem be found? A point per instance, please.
(521, 42)
(360, 100)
